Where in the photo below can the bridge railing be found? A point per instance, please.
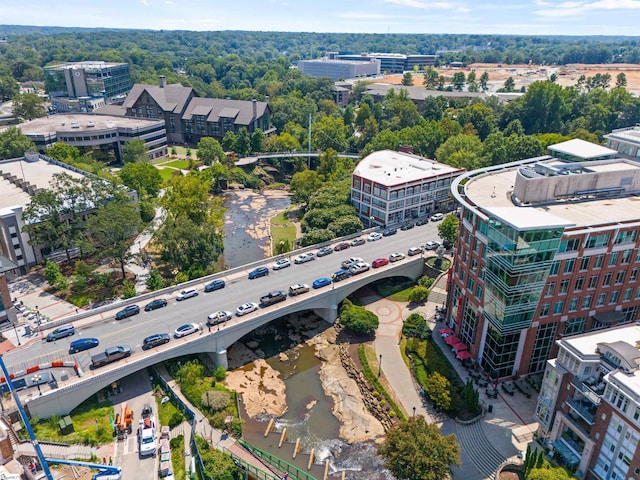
(294, 472)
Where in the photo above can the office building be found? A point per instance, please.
(547, 246)
(389, 62)
(339, 69)
(388, 187)
(626, 141)
(589, 404)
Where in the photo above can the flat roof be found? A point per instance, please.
(85, 64)
(12, 196)
(631, 134)
(586, 343)
(582, 149)
(493, 190)
(388, 167)
(38, 173)
(84, 121)
(528, 218)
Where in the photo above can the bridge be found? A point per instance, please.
(252, 160)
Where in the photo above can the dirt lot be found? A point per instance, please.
(527, 74)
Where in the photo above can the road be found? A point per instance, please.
(239, 290)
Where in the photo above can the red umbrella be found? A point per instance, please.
(445, 331)
(463, 355)
(451, 340)
(458, 347)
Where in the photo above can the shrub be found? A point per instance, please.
(215, 400)
(438, 389)
(129, 289)
(79, 284)
(52, 272)
(418, 294)
(416, 326)
(177, 442)
(220, 373)
(104, 279)
(358, 318)
(426, 282)
(155, 281)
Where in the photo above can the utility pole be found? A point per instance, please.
(309, 158)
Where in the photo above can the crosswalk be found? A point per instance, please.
(477, 446)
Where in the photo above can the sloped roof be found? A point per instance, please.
(171, 98)
(240, 110)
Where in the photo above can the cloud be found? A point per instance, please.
(566, 9)
(146, 3)
(168, 2)
(424, 4)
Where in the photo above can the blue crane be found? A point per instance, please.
(105, 472)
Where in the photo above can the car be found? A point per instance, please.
(217, 284)
(350, 261)
(304, 258)
(61, 332)
(389, 231)
(258, 272)
(218, 317)
(341, 246)
(298, 289)
(407, 226)
(340, 275)
(414, 251)
(380, 262)
(83, 344)
(186, 329)
(155, 340)
(396, 257)
(325, 251)
(155, 304)
(436, 217)
(280, 264)
(128, 311)
(187, 293)
(356, 242)
(321, 282)
(246, 308)
(373, 236)
(359, 267)
(432, 245)
(422, 221)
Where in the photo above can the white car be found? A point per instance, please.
(187, 293)
(218, 317)
(436, 217)
(359, 267)
(282, 263)
(395, 257)
(432, 245)
(373, 236)
(186, 329)
(304, 258)
(348, 263)
(246, 308)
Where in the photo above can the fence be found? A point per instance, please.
(293, 472)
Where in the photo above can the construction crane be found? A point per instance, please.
(105, 472)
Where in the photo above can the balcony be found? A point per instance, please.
(584, 408)
(591, 392)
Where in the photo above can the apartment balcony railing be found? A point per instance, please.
(591, 392)
(582, 410)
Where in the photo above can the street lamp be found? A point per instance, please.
(36, 379)
(15, 329)
(380, 366)
(371, 219)
(414, 411)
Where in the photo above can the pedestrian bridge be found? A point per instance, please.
(324, 302)
(254, 159)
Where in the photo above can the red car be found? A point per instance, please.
(341, 246)
(380, 262)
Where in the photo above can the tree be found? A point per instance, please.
(463, 151)
(257, 138)
(508, 86)
(621, 80)
(217, 464)
(215, 400)
(448, 228)
(9, 88)
(484, 80)
(155, 281)
(63, 152)
(210, 151)
(52, 273)
(14, 143)
(431, 78)
(345, 225)
(134, 151)
(303, 185)
(141, 177)
(111, 228)
(28, 106)
(438, 388)
(416, 450)
(458, 81)
(557, 473)
(358, 318)
(480, 116)
(418, 294)
(407, 79)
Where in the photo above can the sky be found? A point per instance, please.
(528, 17)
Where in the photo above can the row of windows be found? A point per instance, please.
(592, 284)
(588, 302)
(597, 241)
(595, 262)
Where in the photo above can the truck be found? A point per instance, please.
(273, 297)
(147, 433)
(110, 355)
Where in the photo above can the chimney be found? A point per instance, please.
(162, 80)
(255, 109)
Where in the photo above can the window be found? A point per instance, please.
(620, 277)
(555, 267)
(564, 287)
(558, 307)
(478, 292)
(579, 283)
(569, 264)
(586, 301)
(544, 309)
(593, 281)
(607, 279)
(575, 325)
(597, 241)
(551, 286)
(570, 245)
(613, 298)
(613, 259)
(634, 275)
(573, 304)
(599, 261)
(627, 294)
(629, 236)
(584, 263)
(626, 256)
(601, 299)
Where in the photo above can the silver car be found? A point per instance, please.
(246, 308)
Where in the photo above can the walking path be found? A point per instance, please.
(485, 444)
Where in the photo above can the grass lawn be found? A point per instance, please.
(402, 295)
(282, 229)
(181, 164)
(166, 174)
(183, 151)
(446, 263)
(177, 457)
(374, 364)
(168, 414)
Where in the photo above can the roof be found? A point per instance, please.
(582, 149)
(111, 109)
(84, 64)
(78, 122)
(627, 135)
(239, 110)
(419, 93)
(171, 98)
(587, 343)
(388, 167)
(528, 218)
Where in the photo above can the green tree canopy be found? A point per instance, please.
(134, 151)
(210, 151)
(28, 106)
(416, 450)
(14, 143)
(141, 177)
(303, 185)
(464, 151)
(9, 87)
(358, 318)
(63, 152)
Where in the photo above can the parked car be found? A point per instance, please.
(155, 304)
(373, 236)
(83, 344)
(187, 293)
(325, 251)
(359, 267)
(128, 311)
(61, 332)
(155, 340)
(304, 258)
(380, 262)
(186, 329)
(273, 297)
(298, 289)
(432, 245)
(258, 272)
(246, 308)
(215, 285)
(407, 226)
(357, 241)
(389, 231)
(321, 282)
(280, 264)
(395, 257)
(340, 275)
(341, 246)
(414, 251)
(422, 221)
(350, 261)
(436, 217)
(218, 317)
